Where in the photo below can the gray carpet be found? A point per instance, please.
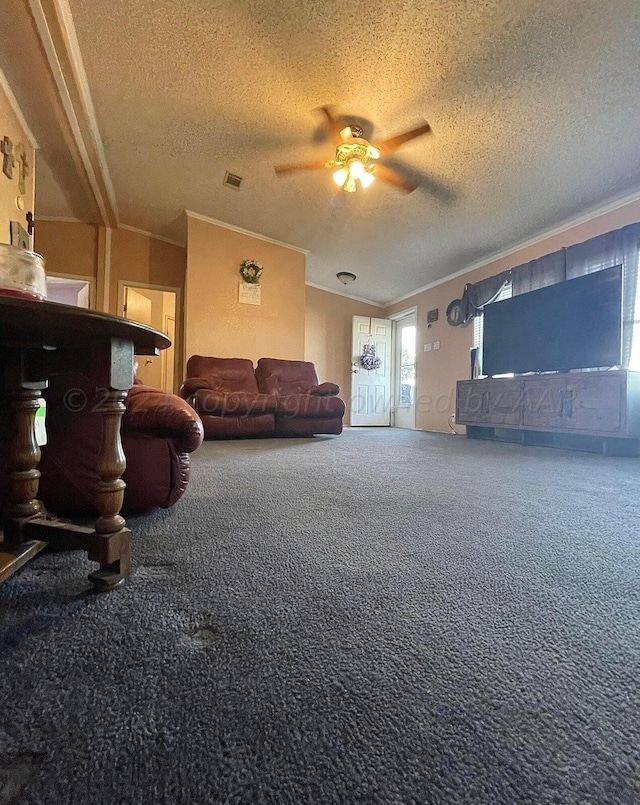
(380, 617)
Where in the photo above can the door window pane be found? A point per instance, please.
(407, 364)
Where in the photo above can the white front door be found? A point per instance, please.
(405, 371)
(371, 389)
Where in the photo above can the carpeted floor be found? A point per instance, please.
(380, 617)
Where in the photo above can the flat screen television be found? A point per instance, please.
(575, 324)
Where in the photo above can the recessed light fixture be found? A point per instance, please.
(345, 277)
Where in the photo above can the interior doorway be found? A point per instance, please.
(69, 290)
(404, 370)
(157, 307)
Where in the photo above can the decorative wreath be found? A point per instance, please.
(250, 271)
(369, 360)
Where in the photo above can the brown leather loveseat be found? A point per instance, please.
(225, 394)
(303, 407)
(281, 398)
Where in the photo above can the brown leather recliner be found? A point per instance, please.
(159, 430)
(225, 394)
(303, 408)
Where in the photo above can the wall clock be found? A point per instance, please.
(454, 313)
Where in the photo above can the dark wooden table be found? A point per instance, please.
(37, 341)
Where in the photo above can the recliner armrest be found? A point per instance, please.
(325, 390)
(161, 414)
(192, 384)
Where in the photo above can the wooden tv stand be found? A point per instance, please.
(596, 411)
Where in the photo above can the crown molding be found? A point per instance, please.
(151, 235)
(13, 103)
(56, 30)
(62, 219)
(68, 220)
(585, 218)
(342, 293)
(198, 216)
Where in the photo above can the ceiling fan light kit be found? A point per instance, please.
(346, 277)
(355, 159)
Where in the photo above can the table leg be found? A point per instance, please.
(24, 456)
(22, 507)
(112, 545)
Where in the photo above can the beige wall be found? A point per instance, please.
(68, 247)
(438, 371)
(72, 247)
(216, 323)
(10, 127)
(328, 329)
(136, 257)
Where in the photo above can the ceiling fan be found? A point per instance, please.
(357, 160)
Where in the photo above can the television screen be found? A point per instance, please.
(575, 324)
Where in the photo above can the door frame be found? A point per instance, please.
(395, 318)
(178, 358)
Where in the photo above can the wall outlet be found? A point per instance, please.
(436, 345)
(427, 347)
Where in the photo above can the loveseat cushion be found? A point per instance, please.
(218, 403)
(310, 406)
(277, 376)
(223, 374)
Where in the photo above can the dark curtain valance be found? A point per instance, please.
(620, 247)
(539, 273)
(478, 294)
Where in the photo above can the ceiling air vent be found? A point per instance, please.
(231, 180)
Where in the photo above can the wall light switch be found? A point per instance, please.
(436, 345)
(427, 347)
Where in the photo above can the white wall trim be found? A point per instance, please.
(151, 235)
(549, 233)
(342, 293)
(123, 284)
(107, 269)
(68, 28)
(107, 207)
(242, 231)
(403, 314)
(13, 103)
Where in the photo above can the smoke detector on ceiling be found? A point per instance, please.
(232, 180)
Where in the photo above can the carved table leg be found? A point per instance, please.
(22, 508)
(25, 456)
(111, 547)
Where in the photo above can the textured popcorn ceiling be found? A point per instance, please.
(535, 107)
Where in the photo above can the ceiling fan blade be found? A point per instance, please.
(389, 176)
(334, 125)
(439, 189)
(389, 145)
(284, 170)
